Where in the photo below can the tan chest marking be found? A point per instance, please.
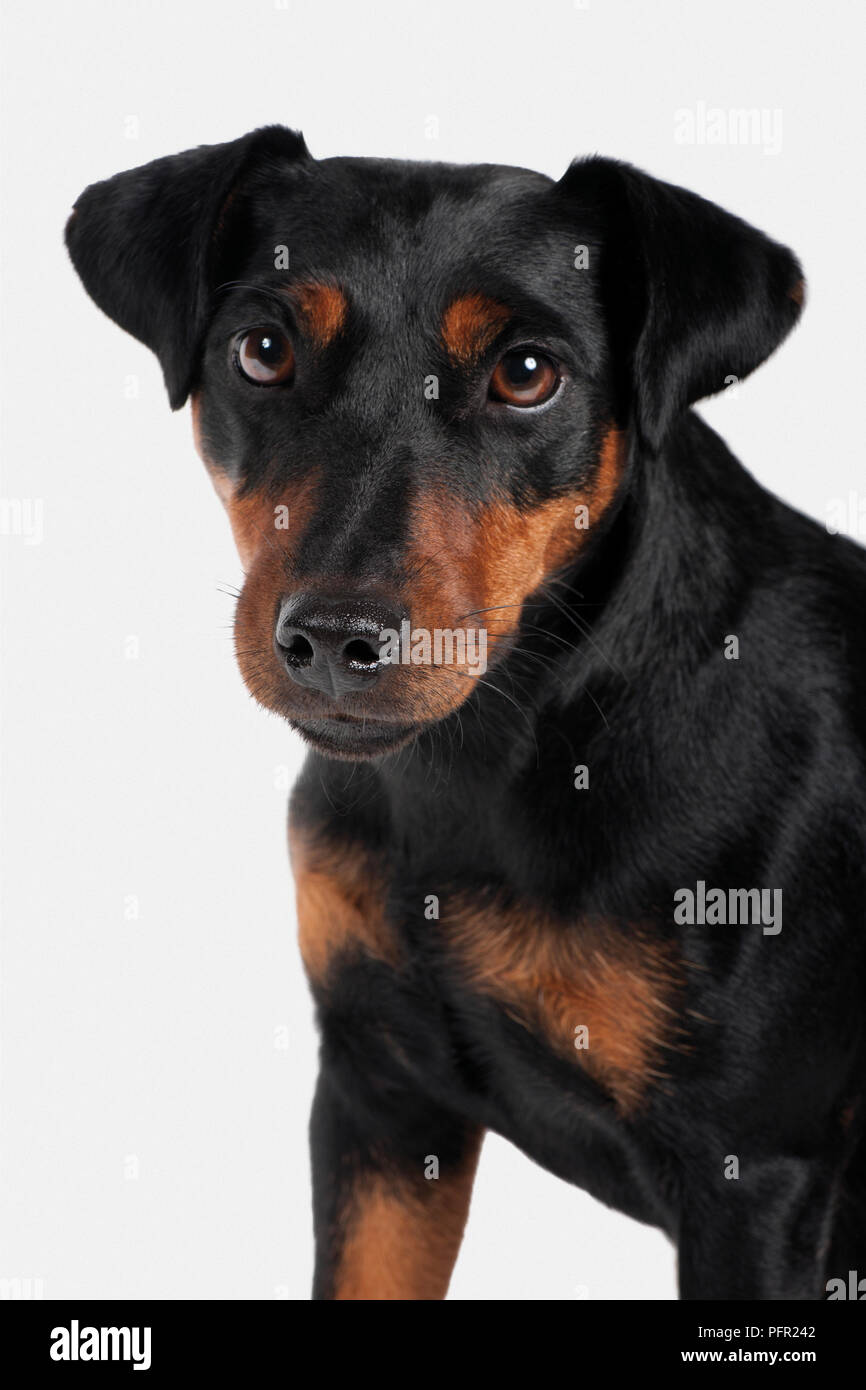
(341, 889)
(621, 985)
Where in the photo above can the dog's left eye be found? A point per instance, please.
(265, 356)
(524, 377)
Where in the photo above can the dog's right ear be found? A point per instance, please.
(146, 243)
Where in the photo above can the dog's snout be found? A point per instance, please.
(333, 644)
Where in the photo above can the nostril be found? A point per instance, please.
(334, 645)
(361, 653)
(299, 652)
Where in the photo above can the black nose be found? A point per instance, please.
(332, 644)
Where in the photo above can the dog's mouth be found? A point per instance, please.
(355, 737)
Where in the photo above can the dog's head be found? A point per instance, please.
(418, 389)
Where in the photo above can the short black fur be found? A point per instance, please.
(738, 772)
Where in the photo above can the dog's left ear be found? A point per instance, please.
(695, 297)
(147, 243)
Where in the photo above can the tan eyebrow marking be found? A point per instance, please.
(470, 324)
(322, 308)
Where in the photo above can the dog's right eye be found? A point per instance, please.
(265, 357)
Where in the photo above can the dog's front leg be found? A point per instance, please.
(391, 1190)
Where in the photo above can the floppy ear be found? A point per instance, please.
(147, 242)
(694, 295)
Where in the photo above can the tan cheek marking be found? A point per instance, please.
(470, 324)
(441, 593)
(222, 484)
(341, 892)
(798, 293)
(518, 550)
(401, 1241)
(553, 978)
(253, 516)
(268, 549)
(322, 308)
(493, 561)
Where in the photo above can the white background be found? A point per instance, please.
(157, 1068)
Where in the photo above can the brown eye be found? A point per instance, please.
(265, 356)
(524, 377)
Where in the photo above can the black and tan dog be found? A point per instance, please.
(580, 854)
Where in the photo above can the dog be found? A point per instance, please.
(579, 842)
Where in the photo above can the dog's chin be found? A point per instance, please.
(354, 739)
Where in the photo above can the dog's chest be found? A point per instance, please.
(481, 989)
